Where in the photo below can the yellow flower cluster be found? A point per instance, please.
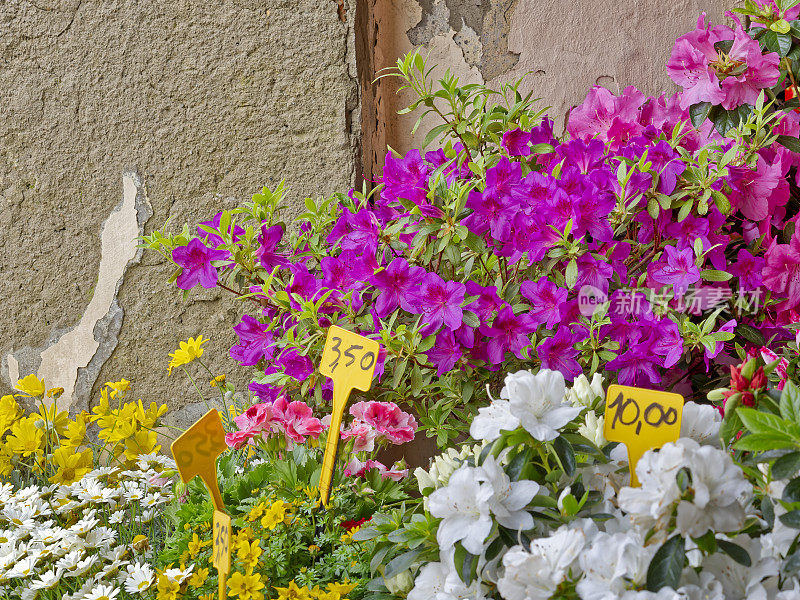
(333, 591)
(51, 444)
(128, 429)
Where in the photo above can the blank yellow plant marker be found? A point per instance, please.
(349, 360)
(222, 549)
(641, 419)
(195, 453)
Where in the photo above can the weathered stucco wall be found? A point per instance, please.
(113, 111)
(562, 48)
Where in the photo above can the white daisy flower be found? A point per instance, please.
(139, 578)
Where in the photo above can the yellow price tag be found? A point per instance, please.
(349, 359)
(222, 549)
(196, 451)
(642, 420)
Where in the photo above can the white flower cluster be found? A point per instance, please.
(79, 540)
(688, 488)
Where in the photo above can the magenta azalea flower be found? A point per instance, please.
(195, 258)
(508, 332)
(395, 284)
(440, 303)
(255, 342)
(445, 353)
(679, 270)
(267, 252)
(516, 142)
(758, 193)
(748, 269)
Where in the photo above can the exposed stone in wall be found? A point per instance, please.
(210, 101)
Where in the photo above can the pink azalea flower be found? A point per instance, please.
(781, 370)
(728, 78)
(257, 418)
(607, 116)
(297, 420)
(782, 271)
(387, 419)
(758, 193)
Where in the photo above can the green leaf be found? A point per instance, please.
(791, 565)
(791, 519)
(786, 466)
(571, 274)
(790, 402)
(667, 564)
(791, 493)
(707, 542)
(759, 421)
(712, 275)
(776, 42)
(790, 142)
(760, 442)
(565, 454)
(735, 551)
(699, 113)
(400, 563)
(750, 334)
(471, 319)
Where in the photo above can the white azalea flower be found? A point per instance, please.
(700, 587)
(611, 563)
(701, 423)
(509, 499)
(757, 582)
(463, 506)
(592, 429)
(436, 581)
(535, 574)
(584, 394)
(538, 402)
(720, 493)
(493, 419)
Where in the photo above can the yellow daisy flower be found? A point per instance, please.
(186, 353)
(30, 385)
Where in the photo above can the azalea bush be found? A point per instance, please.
(538, 506)
(655, 233)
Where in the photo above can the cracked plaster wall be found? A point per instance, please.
(564, 47)
(199, 105)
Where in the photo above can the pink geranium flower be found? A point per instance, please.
(364, 435)
(297, 420)
(387, 419)
(357, 468)
(238, 439)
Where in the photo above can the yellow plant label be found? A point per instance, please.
(349, 360)
(196, 451)
(641, 419)
(222, 548)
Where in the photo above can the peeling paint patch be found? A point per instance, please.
(74, 358)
